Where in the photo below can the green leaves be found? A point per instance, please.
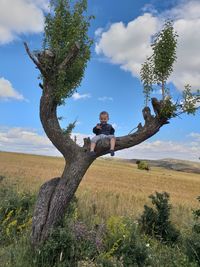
(164, 54)
(190, 100)
(70, 128)
(156, 221)
(158, 67)
(146, 75)
(65, 25)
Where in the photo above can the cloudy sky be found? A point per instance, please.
(122, 31)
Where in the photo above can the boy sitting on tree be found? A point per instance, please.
(103, 130)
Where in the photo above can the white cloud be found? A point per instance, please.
(128, 45)
(184, 10)
(8, 92)
(43, 4)
(21, 17)
(77, 96)
(98, 32)
(195, 136)
(29, 141)
(149, 8)
(105, 98)
(163, 149)
(25, 141)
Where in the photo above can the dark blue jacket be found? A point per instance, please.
(106, 129)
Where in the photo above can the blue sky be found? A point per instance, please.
(122, 31)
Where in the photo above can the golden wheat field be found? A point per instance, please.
(110, 187)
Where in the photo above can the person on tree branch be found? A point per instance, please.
(103, 130)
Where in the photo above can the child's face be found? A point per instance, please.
(103, 118)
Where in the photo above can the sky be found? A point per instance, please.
(122, 32)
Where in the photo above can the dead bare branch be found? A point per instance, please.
(33, 58)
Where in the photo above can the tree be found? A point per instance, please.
(62, 61)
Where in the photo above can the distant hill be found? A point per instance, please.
(173, 164)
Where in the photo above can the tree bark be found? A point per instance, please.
(54, 198)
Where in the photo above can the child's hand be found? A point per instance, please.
(98, 126)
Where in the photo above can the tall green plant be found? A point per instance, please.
(164, 54)
(158, 67)
(192, 243)
(156, 221)
(146, 75)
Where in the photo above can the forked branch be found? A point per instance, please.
(73, 53)
(34, 59)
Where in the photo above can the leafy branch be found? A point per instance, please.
(156, 70)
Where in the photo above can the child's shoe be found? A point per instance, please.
(112, 152)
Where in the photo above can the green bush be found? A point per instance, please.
(124, 244)
(15, 213)
(59, 250)
(104, 261)
(167, 256)
(134, 250)
(2, 177)
(192, 243)
(156, 221)
(142, 165)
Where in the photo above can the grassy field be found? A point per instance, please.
(110, 187)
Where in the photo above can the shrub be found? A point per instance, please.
(2, 177)
(15, 213)
(58, 250)
(104, 261)
(142, 165)
(192, 243)
(168, 256)
(124, 244)
(134, 250)
(156, 222)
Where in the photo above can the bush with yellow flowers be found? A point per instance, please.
(15, 213)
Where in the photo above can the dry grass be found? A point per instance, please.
(109, 186)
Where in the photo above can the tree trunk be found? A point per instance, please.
(54, 198)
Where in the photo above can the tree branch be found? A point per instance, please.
(70, 57)
(151, 127)
(50, 123)
(35, 61)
